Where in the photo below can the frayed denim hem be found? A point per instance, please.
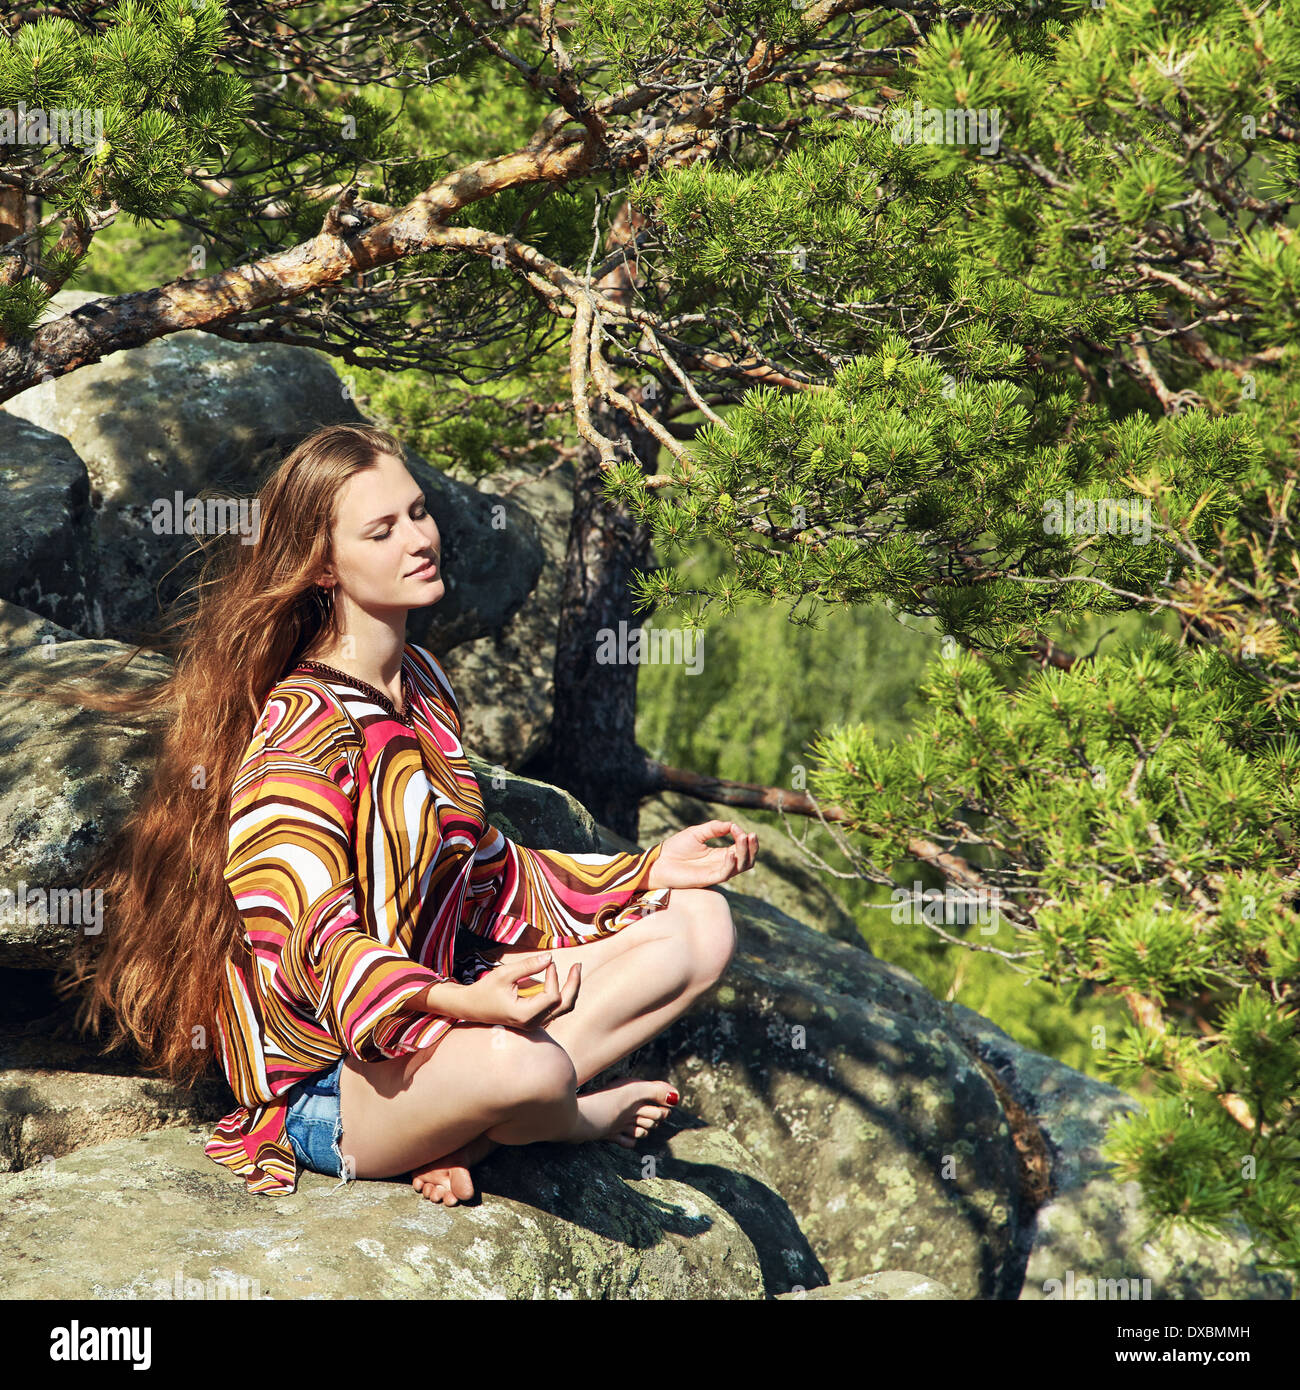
(346, 1174)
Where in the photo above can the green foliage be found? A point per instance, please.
(1142, 808)
(889, 485)
(820, 670)
(156, 103)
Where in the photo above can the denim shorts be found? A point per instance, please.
(314, 1123)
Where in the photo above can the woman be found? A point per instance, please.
(310, 886)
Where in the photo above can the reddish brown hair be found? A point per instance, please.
(170, 923)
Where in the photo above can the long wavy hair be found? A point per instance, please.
(153, 975)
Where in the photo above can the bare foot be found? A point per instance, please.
(623, 1113)
(447, 1179)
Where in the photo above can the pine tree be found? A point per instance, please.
(1081, 401)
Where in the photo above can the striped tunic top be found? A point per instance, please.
(357, 849)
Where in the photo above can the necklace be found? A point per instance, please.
(378, 695)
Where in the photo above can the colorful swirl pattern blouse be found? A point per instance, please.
(358, 847)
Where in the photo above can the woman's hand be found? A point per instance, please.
(496, 996)
(687, 862)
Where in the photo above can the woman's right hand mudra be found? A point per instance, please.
(497, 996)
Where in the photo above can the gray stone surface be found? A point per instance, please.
(138, 1217)
(195, 413)
(1094, 1228)
(48, 561)
(838, 1071)
(69, 775)
(510, 672)
(46, 1114)
(895, 1285)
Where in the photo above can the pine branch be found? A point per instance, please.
(658, 777)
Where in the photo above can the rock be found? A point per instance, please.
(46, 1114)
(892, 1284)
(1072, 1108)
(509, 673)
(1094, 1228)
(146, 1216)
(71, 776)
(49, 560)
(843, 1081)
(196, 414)
(716, 1163)
(1099, 1232)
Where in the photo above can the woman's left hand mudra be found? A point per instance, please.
(687, 862)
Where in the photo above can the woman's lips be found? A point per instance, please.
(426, 572)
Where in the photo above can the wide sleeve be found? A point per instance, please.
(540, 898)
(290, 872)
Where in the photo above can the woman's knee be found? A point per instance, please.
(711, 934)
(521, 1066)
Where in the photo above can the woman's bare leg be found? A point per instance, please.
(515, 1085)
(473, 1090)
(634, 984)
(631, 995)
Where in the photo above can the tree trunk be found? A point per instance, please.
(591, 748)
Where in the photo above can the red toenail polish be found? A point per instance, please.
(672, 1097)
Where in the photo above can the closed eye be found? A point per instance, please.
(415, 516)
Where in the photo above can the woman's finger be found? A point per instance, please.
(526, 965)
(545, 1000)
(568, 997)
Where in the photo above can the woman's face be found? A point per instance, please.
(383, 534)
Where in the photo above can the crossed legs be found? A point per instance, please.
(481, 1085)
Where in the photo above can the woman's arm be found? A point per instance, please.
(442, 998)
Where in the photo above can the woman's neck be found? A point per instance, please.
(355, 666)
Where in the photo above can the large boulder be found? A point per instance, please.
(193, 413)
(49, 561)
(71, 777)
(509, 673)
(837, 1072)
(1092, 1238)
(151, 1216)
(46, 1113)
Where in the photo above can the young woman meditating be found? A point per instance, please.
(310, 887)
